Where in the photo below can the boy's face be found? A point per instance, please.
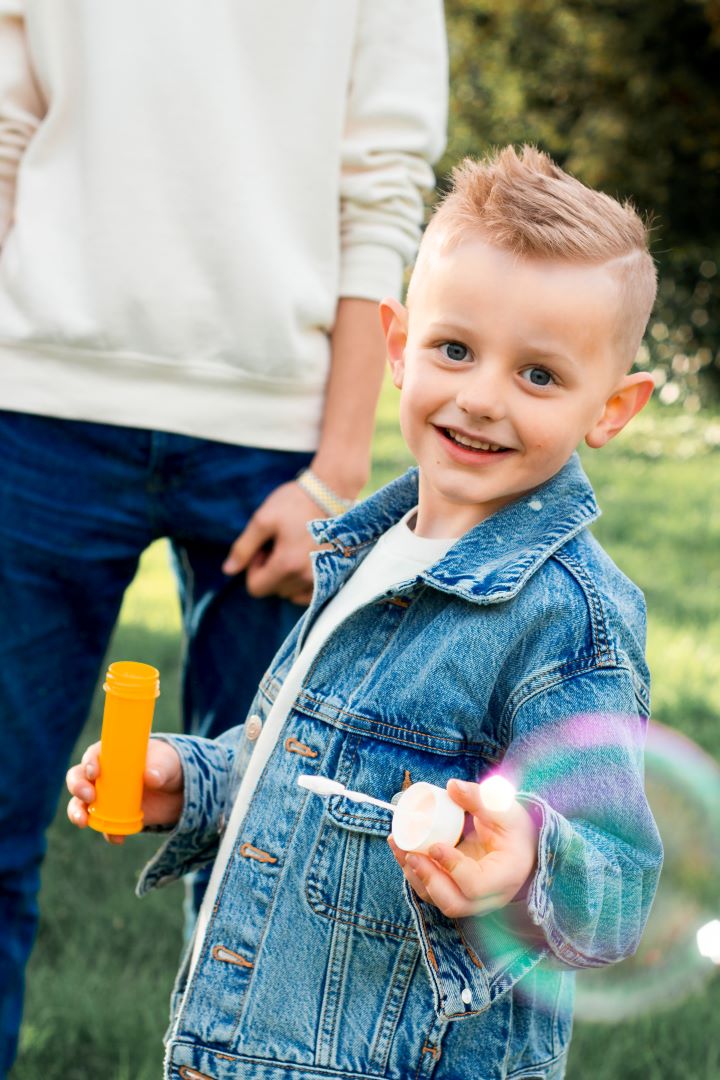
(505, 365)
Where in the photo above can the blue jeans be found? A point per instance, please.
(79, 502)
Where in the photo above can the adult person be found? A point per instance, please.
(199, 207)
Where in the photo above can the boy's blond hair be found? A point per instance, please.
(525, 204)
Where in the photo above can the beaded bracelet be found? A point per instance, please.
(322, 495)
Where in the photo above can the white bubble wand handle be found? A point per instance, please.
(323, 785)
(496, 792)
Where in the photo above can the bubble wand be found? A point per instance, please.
(424, 814)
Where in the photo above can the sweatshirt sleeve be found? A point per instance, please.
(21, 105)
(395, 127)
(580, 774)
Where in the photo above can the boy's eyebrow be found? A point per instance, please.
(547, 353)
(451, 327)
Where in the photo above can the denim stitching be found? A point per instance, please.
(312, 706)
(550, 678)
(471, 953)
(592, 598)
(394, 1002)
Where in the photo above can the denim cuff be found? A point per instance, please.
(551, 882)
(193, 842)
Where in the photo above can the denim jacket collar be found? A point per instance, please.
(494, 559)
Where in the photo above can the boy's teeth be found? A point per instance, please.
(475, 444)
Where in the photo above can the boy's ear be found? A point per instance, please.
(627, 399)
(394, 320)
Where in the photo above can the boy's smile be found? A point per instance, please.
(505, 364)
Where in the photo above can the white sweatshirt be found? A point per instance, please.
(187, 188)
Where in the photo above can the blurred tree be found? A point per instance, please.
(626, 96)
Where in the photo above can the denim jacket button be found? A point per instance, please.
(253, 727)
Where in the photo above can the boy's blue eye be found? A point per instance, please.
(538, 376)
(453, 350)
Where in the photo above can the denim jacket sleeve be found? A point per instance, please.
(207, 768)
(576, 758)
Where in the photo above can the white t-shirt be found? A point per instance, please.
(398, 555)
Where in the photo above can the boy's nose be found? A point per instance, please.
(482, 395)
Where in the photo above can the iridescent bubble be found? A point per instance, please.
(680, 947)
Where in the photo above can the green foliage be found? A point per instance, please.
(626, 97)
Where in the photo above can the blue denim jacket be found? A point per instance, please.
(523, 646)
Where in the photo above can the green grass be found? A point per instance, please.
(100, 977)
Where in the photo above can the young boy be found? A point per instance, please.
(464, 622)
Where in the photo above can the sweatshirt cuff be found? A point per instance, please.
(194, 840)
(370, 272)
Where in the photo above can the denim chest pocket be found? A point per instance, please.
(353, 877)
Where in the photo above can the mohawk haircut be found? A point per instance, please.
(525, 204)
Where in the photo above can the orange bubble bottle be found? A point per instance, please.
(130, 692)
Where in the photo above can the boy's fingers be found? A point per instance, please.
(414, 880)
(77, 813)
(399, 854)
(468, 795)
(477, 880)
(416, 885)
(90, 761)
(439, 888)
(163, 769)
(489, 821)
(78, 785)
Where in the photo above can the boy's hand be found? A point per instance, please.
(162, 786)
(487, 868)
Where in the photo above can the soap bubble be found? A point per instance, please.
(680, 948)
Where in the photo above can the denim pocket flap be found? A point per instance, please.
(359, 817)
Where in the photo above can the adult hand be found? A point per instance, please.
(162, 799)
(274, 548)
(486, 870)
